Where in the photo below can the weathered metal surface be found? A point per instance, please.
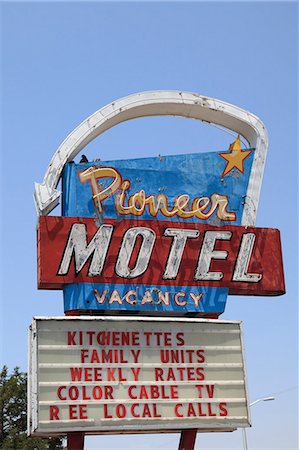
(141, 298)
(158, 103)
(127, 375)
(215, 188)
(245, 260)
(190, 188)
(203, 188)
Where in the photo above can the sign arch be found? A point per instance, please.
(159, 103)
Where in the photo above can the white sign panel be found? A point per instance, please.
(131, 374)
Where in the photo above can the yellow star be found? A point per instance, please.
(235, 158)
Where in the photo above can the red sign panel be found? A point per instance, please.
(247, 260)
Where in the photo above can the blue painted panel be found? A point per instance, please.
(193, 174)
(197, 175)
(144, 298)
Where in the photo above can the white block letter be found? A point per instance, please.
(245, 252)
(208, 253)
(77, 245)
(122, 264)
(176, 251)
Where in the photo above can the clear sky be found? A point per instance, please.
(61, 61)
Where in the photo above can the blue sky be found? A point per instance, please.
(63, 61)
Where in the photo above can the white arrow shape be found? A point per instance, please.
(160, 103)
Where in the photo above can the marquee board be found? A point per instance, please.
(136, 375)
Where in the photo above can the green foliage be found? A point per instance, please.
(13, 415)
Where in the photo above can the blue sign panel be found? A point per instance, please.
(198, 176)
(207, 188)
(144, 298)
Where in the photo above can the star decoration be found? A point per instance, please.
(235, 157)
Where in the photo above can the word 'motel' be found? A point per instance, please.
(98, 248)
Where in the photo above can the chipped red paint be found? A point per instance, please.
(265, 260)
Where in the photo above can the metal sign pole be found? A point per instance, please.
(187, 441)
(75, 441)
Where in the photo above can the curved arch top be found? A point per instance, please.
(159, 103)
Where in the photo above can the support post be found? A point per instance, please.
(75, 441)
(244, 439)
(187, 441)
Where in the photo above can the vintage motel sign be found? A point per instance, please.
(135, 375)
(164, 235)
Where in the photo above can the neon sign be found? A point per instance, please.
(164, 234)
